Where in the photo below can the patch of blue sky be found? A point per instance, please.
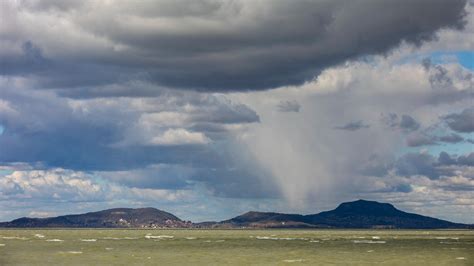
(97, 178)
(460, 148)
(2, 129)
(464, 58)
(5, 172)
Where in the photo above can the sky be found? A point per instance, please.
(211, 108)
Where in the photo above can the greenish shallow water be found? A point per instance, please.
(237, 247)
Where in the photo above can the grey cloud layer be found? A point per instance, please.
(168, 142)
(207, 45)
(452, 138)
(411, 165)
(430, 166)
(424, 139)
(461, 122)
(288, 106)
(420, 139)
(352, 126)
(443, 83)
(405, 123)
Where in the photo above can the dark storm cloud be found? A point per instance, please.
(391, 120)
(237, 183)
(111, 137)
(420, 139)
(461, 122)
(405, 123)
(417, 164)
(428, 165)
(353, 126)
(210, 45)
(376, 166)
(445, 159)
(414, 164)
(31, 60)
(67, 152)
(288, 106)
(224, 176)
(439, 77)
(441, 81)
(164, 176)
(462, 160)
(451, 138)
(466, 159)
(40, 127)
(408, 123)
(390, 188)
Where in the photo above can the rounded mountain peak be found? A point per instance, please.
(366, 207)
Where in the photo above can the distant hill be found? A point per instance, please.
(267, 220)
(361, 214)
(112, 218)
(356, 214)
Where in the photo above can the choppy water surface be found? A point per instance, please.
(238, 247)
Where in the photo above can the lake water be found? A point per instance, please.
(235, 247)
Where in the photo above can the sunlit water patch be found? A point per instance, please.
(293, 260)
(120, 238)
(15, 238)
(89, 240)
(150, 236)
(71, 252)
(369, 242)
(279, 238)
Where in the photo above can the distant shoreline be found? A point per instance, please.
(222, 229)
(356, 215)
